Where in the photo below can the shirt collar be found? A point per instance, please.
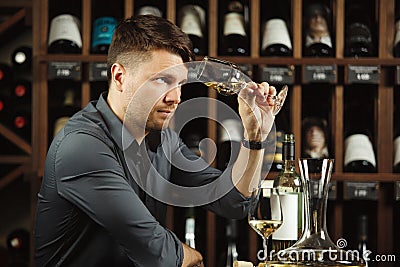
(116, 128)
(118, 132)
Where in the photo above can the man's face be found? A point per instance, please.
(153, 90)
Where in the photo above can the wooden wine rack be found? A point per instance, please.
(385, 204)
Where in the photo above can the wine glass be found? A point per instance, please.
(265, 213)
(227, 79)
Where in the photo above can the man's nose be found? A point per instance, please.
(173, 95)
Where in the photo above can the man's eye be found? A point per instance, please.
(161, 80)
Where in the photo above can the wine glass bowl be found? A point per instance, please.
(227, 79)
(265, 214)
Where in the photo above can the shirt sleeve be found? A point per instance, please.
(89, 175)
(225, 199)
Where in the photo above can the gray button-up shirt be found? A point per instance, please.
(92, 210)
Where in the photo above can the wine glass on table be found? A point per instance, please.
(265, 213)
(227, 79)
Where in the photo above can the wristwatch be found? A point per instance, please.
(254, 145)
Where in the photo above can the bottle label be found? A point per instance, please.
(289, 228)
(396, 146)
(276, 32)
(397, 30)
(65, 27)
(191, 20)
(190, 232)
(234, 24)
(103, 30)
(358, 147)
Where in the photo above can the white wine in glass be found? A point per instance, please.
(265, 213)
(227, 79)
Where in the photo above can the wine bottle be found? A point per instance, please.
(276, 156)
(103, 29)
(67, 110)
(235, 41)
(18, 244)
(151, 7)
(315, 138)
(22, 91)
(396, 46)
(230, 137)
(231, 234)
(19, 118)
(21, 58)
(289, 186)
(64, 35)
(362, 245)
(276, 39)
(191, 19)
(190, 227)
(358, 31)
(359, 155)
(318, 41)
(6, 75)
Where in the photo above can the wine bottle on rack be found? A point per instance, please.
(315, 138)
(103, 29)
(362, 245)
(22, 91)
(289, 186)
(396, 46)
(65, 35)
(235, 41)
(231, 234)
(359, 155)
(68, 109)
(358, 31)
(230, 137)
(21, 58)
(276, 38)
(151, 7)
(276, 156)
(191, 19)
(21, 121)
(18, 244)
(190, 227)
(20, 108)
(318, 41)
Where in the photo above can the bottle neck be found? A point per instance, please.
(288, 157)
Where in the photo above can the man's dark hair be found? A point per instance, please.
(136, 37)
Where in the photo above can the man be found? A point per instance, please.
(94, 206)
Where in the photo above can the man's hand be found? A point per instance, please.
(191, 257)
(255, 110)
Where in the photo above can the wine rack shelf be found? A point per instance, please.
(384, 89)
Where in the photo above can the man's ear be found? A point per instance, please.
(118, 75)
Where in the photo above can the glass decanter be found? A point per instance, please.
(315, 248)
